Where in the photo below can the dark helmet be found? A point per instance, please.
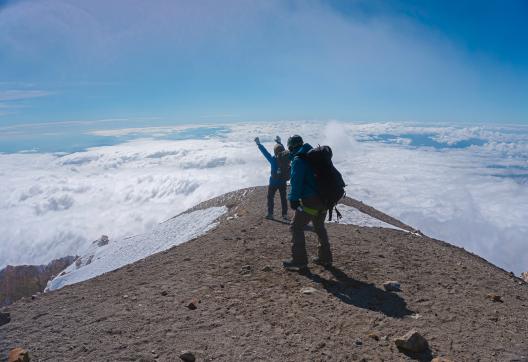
(294, 142)
(278, 148)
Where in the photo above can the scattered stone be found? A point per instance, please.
(308, 290)
(18, 355)
(187, 356)
(125, 296)
(416, 316)
(524, 276)
(412, 341)
(392, 286)
(374, 336)
(267, 268)
(358, 342)
(495, 298)
(4, 318)
(102, 241)
(246, 269)
(187, 259)
(193, 304)
(441, 359)
(164, 293)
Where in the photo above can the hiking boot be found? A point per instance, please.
(290, 265)
(323, 263)
(269, 216)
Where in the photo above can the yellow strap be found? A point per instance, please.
(310, 211)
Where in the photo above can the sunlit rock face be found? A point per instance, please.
(25, 280)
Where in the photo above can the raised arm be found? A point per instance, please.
(265, 152)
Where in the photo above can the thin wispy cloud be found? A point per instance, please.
(259, 59)
(16, 95)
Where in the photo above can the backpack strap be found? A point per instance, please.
(338, 214)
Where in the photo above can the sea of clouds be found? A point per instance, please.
(464, 184)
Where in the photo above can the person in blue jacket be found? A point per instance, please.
(278, 177)
(308, 207)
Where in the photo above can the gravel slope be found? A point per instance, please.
(250, 309)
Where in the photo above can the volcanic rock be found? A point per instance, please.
(412, 341)
(4, 318)
(21, 281)
(308, 290)
(102, 241)
(187, 356)
(193, 304)
(18, 355)
(392, 286)
(494, 297)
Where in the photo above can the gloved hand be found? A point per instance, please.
(277, 139)
(257, 140)
(294, 204)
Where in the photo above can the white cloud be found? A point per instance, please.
(14, 95)
(51, 206)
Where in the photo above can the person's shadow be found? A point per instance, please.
(361, 294)
(367, 296)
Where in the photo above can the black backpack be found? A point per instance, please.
(283, 169)
(330, 184)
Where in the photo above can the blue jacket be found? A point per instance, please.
(274, 166)
(302, 176)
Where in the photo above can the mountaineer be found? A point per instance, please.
(316, 187)
(280, 173)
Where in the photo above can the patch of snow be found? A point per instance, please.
(352, 216)
(97, 260)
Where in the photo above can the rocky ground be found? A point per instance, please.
(224, 296)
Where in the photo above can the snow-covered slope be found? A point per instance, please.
(353, 216)
(103, 256)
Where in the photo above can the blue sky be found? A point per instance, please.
(166, 61)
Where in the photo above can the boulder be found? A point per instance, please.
(102, 241)
(392, 286)
(193, 304)
(412, 341)
(308, 290)
(18, 355)
(4, 318)
(246, 269)
(187, 356)
(524, 276)
(374, 336)
(495, 297)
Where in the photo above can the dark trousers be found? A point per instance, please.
(300, 220)
(271, 198)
